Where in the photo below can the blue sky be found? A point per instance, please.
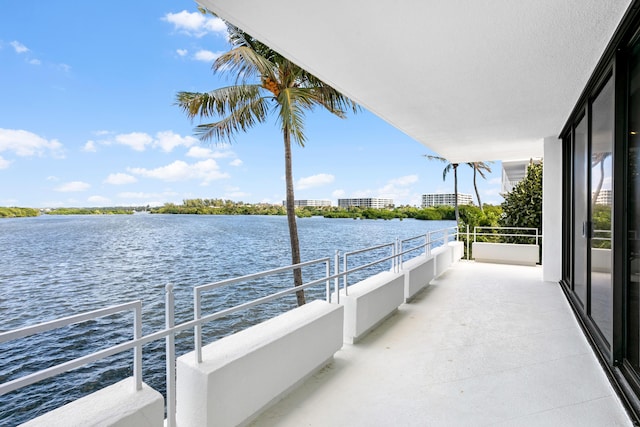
(87, 118)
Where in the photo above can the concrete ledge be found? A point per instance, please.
(118, 405)
(457, 250)
(370, 302)
(444, 258)
(245, 372)
(601, 260)
(418, 272)
(506, 253)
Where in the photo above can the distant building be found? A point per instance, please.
(309, 202)
(368, 202)
(445, 199)
(605, 197)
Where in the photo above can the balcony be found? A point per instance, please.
(485, 344)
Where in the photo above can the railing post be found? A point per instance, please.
(170, 356)
(328, 283)
(344, 278)
(137, 351)
(398, 249)
(336, 271)
(468, 242)
(427, 248)
(197, 330)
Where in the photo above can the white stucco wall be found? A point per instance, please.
(552, 210)
(245, 372)
(370, 302)
(118, 405)
(419, 271)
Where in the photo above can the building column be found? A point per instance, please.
(552, 210)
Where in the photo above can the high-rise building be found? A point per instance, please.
(367, 202)
(445, 199)
(309, 202)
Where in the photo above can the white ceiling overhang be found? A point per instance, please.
(471, 80)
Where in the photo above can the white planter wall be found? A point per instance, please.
(245, 372)
(118, 405)
(370, 302)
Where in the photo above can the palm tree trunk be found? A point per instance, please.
(475, 185)
(596, 193)
(291, 217)
(455, 191)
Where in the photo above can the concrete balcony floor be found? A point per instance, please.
(484, 345)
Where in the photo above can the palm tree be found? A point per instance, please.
(446, 170)
(265, 83)
(479, 168)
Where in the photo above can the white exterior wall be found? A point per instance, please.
(552, 210)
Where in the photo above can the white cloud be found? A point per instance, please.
(338, 194)
(206, 55)
(19, 47)
(120, 179)
(196, 24)
(101, 132)
(90, 147)
(64, 67)
(200, 152)
(398, 189)
(136, 140)
(34, 61)
(314, 181)
(207, 153)
(72, 187)
(236, 162)
(4, 163)
(99, 200)
(24, 143)
(182, 52)
(167, 140)
(205, 171)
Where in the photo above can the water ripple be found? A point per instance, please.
(62, 265)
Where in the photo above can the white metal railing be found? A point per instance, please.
(135, 306)
(532, 232)
(603, 235)
(198, 290)
(171, 329)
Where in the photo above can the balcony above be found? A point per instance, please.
(472, 81)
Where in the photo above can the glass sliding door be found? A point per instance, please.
(580, 210)
(601, 284)
(633, 212)
(591, 210)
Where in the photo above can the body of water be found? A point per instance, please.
(56, 266)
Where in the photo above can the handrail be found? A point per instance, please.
(345, 267)
(198, 290)
(135, 306)
(537, 235)
(171, 329)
